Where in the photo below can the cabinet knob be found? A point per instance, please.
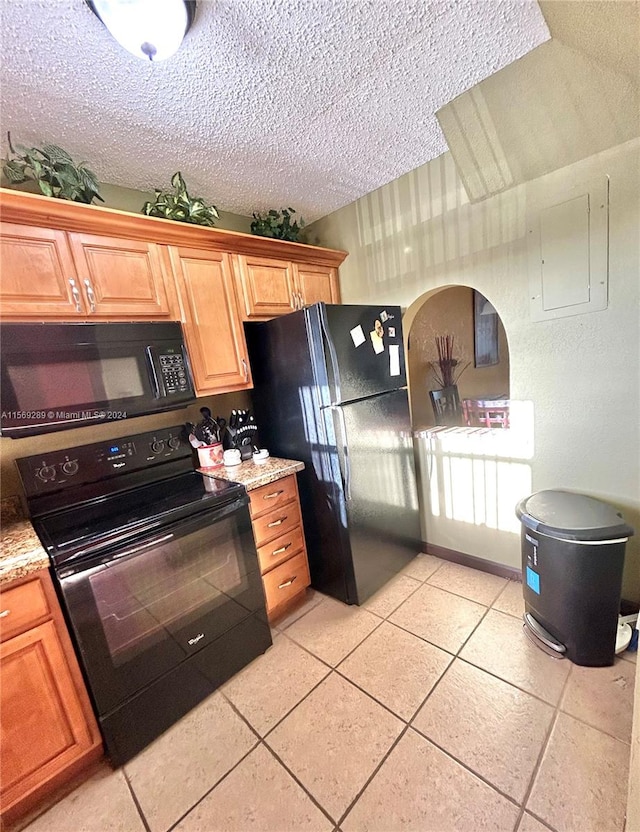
(280, 550)
(5, 613)
(276, 522)
(287, 583)
(273, 494)
(245, 368)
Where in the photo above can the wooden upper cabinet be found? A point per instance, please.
(211, 320)
(271, 287)
(62, 261)
(317, 283)
(55, 275)
(38, 274)
(267, 286)
(120, 278)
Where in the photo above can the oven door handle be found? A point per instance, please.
(134, 551)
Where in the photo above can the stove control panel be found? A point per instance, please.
(56, 470)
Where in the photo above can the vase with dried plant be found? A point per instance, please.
(447, 369)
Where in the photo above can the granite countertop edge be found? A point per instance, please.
(21, 552)
(252, 474)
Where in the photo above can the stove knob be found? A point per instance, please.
(70, 467)
(174, 443)
(157, 447)
(47, 472)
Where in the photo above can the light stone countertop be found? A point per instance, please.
(21, 552)
(253, 474)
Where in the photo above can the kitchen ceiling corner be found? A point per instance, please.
(310, 103)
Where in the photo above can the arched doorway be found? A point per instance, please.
(479, 347)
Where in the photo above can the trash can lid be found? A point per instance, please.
(569, 516)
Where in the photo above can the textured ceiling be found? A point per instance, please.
(310, 103)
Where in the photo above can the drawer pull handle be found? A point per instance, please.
(273, 494)
(287, 583)
(276, 522)
(280, 550)
(4, 613)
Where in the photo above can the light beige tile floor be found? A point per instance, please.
(427, 709)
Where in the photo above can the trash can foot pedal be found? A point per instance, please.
(543, 637)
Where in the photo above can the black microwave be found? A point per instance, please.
(57, 376)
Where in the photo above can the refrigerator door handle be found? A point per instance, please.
(345, 450)
(332, 354)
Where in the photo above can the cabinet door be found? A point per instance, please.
(43, 726)
(38, 274)
(267, 286)
(211, 320)
(317, 283)
(120, 279)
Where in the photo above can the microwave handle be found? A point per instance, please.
(158, 388)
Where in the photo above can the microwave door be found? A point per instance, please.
(71, 387)
(58, 376)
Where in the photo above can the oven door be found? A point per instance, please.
(140, 611)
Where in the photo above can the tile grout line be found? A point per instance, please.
(134, 797)
(335, 670)
(466, 597)
(376, 769)
(507, 682)
(543, 749)
(594, 727)
(396, 608)
(467, 767)
(557, 706)
(313, 799)
(288, 713)
(380, 621)
(341, 674)
(303, 614)
(226, 774)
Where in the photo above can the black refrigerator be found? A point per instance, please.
(330, 390)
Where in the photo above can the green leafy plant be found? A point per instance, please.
(277, 224)
(55, 172)
(178, 205)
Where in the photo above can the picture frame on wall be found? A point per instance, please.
(485, 332)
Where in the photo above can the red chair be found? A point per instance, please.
(486, 413)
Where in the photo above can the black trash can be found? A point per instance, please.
(572, 561)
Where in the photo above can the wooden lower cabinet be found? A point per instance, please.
(48, 731)
(279, 536)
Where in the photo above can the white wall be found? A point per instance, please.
(577, 377)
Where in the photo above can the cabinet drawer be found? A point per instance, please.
(280, 549)
(286, 580)
(276, 523)
(267, 497)
(21, 607)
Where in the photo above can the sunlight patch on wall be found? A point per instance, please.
(477, 475)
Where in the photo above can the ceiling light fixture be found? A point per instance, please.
(150, 29)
